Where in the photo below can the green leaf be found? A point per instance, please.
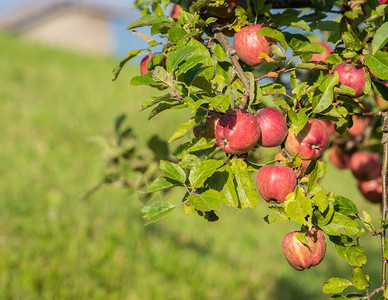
(206, 201)
(273, 88)
(301, 237)
(360, 279)
(353, 254)
(341, 224)
(120, 66)
(219, 102)
(172, 171)
(311, 66)
(162, 183)
(345, 206)
(191, 62)
(163, 106)
(153, 101)
(280, 215)
(327, 98)
(318, 172)
(149, 20)
(223, 181)
(245, 187)
(183, 129)
(378, 64)
(156, 210)
(324, 218)
(205, 169)
(176, 57)
(159, 74)
(176, 34)
(336, 285)
(145, 79)
(197, 5)
(298, 206)
(298, 120)
(386, 247)
(320, 200)
(274, 34)
(381, 38)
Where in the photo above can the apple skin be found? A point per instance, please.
(383, 104)
(382, 2)
(275, 183)
(273, 127)
(225, 11)
(372, 190)
(365, 166)
(237, 131)
(329, 126)
(352, 77)
(174, 12)
(359, 126)
(143, 64)
(310, 141)
(298, 255)
(322, 57)
(207, 131)
(338, 157)
(249, 45)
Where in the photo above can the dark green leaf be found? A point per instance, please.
(381, 38)
(311, 66)
(274, 34)
(183, 129)
(327, 98)
(176, 57)
(345, 206)
(318, 172)
(206, 201)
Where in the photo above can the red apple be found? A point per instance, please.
(275, 183)
(174, 12)
(372, 190)
(382, 2)
(365, 165)
(237, 131)
(309, 142)
(143, 64)
(322, 57)
(249, 45)
(273, 127)
(224, 11)
(352, 77)
(381, 102)
(339, 157)
(298, 255)
(359, 126)
(329, 126)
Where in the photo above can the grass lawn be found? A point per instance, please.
(56, 245)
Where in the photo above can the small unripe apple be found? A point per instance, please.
(275, 183)
(383, 104)
(372, 190)
(365, 165)
(224, 11)
(352, 77)
(298, 255)
(249, 45)
(273, 127)
(322, 57)
(237, 131)
(174, 12)
(309, 142)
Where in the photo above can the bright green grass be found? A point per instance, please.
(54, 245)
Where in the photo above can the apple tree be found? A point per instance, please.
(289, 78)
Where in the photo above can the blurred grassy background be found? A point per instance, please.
(55, 245)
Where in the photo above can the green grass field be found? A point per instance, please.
(56, 245)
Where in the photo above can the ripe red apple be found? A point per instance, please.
(372, 190)
(249, 45)
(209, 128)
(143, 64)
(383, 104)
(275, 183)
(329, 126)
(298, 255)
(237, 131)
(352, 77)
(359, 126)
(174, 12)
(339, 157)
(224, 11)
(309, 142)
(382, 2)
(273, 127)
(365, 165)
(322, 57)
